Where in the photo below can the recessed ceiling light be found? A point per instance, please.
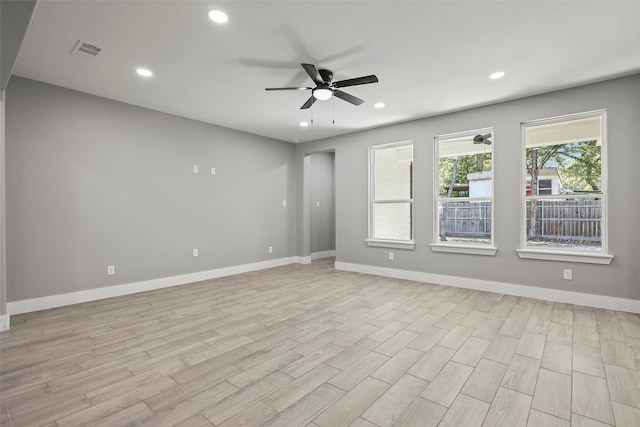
(144, 72)
(379, 105)
(497, 75)
(304, 124)
(218, 16)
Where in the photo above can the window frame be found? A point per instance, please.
(388, 243)
(601, 256)
(457, 247)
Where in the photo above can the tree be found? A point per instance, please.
(443, 216)
(581, 171)
(544, 154)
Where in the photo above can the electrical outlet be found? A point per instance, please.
(195, 251)
(195, 168)
(284, 203)
(213, 171)
(270, 249)
(111, 270)
(390, 256)
(567, 274)
(318, 204)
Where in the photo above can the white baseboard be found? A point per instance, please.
(323, 254)
(43, 303)
(579, 298)
(4, 322)
(52, 301)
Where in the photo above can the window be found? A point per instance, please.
(544, 187)
(391, 195)
(564, 188)
(463, 220)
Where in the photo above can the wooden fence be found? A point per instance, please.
(563, 220)
(466, 219)
(570, 219)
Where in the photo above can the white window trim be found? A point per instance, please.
(600, 256)
(394, 244)
(387, 243)
(456, 247)
(464, 249)
(566, 256)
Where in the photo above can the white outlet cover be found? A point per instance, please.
(213, 171)
(390, 256)
(270, 249)
(318, 204)
(111, 270)
(195, 252)
(195, 168)
(567, 274)
(284, 203)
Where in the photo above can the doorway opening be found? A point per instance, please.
(319, 200)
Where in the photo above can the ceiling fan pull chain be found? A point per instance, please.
(311, 114)
(334, 110)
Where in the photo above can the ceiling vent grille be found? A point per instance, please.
(86, 50)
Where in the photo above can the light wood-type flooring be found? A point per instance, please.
(307, 345)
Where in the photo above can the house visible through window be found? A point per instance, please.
(464, 177)
(391, 196)
(564, 188)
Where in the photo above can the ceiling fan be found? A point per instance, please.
(326, 87)
(482, 139)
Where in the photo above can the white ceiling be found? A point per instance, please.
(431, 57)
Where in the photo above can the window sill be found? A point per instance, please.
(551, 255)
(464, 249)
(395, 244)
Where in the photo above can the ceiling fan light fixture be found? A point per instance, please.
(497, 75)
(304, 124)
(322, 93)
(379, 105)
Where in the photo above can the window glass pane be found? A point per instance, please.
(465, 166)
(465, 172)
(392, 221)
(393, 169)
(464, 222)
(566, 154)
(564, 159)
(573, 224)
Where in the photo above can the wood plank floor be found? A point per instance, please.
(306, 345)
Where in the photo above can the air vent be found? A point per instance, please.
(86, 50)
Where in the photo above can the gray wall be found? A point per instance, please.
(93, 182)
(3, 270)
(322, 224)
(621, 97)
(15, 17)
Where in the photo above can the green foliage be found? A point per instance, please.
(578, 163)
(582, 169)
(466, 165)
